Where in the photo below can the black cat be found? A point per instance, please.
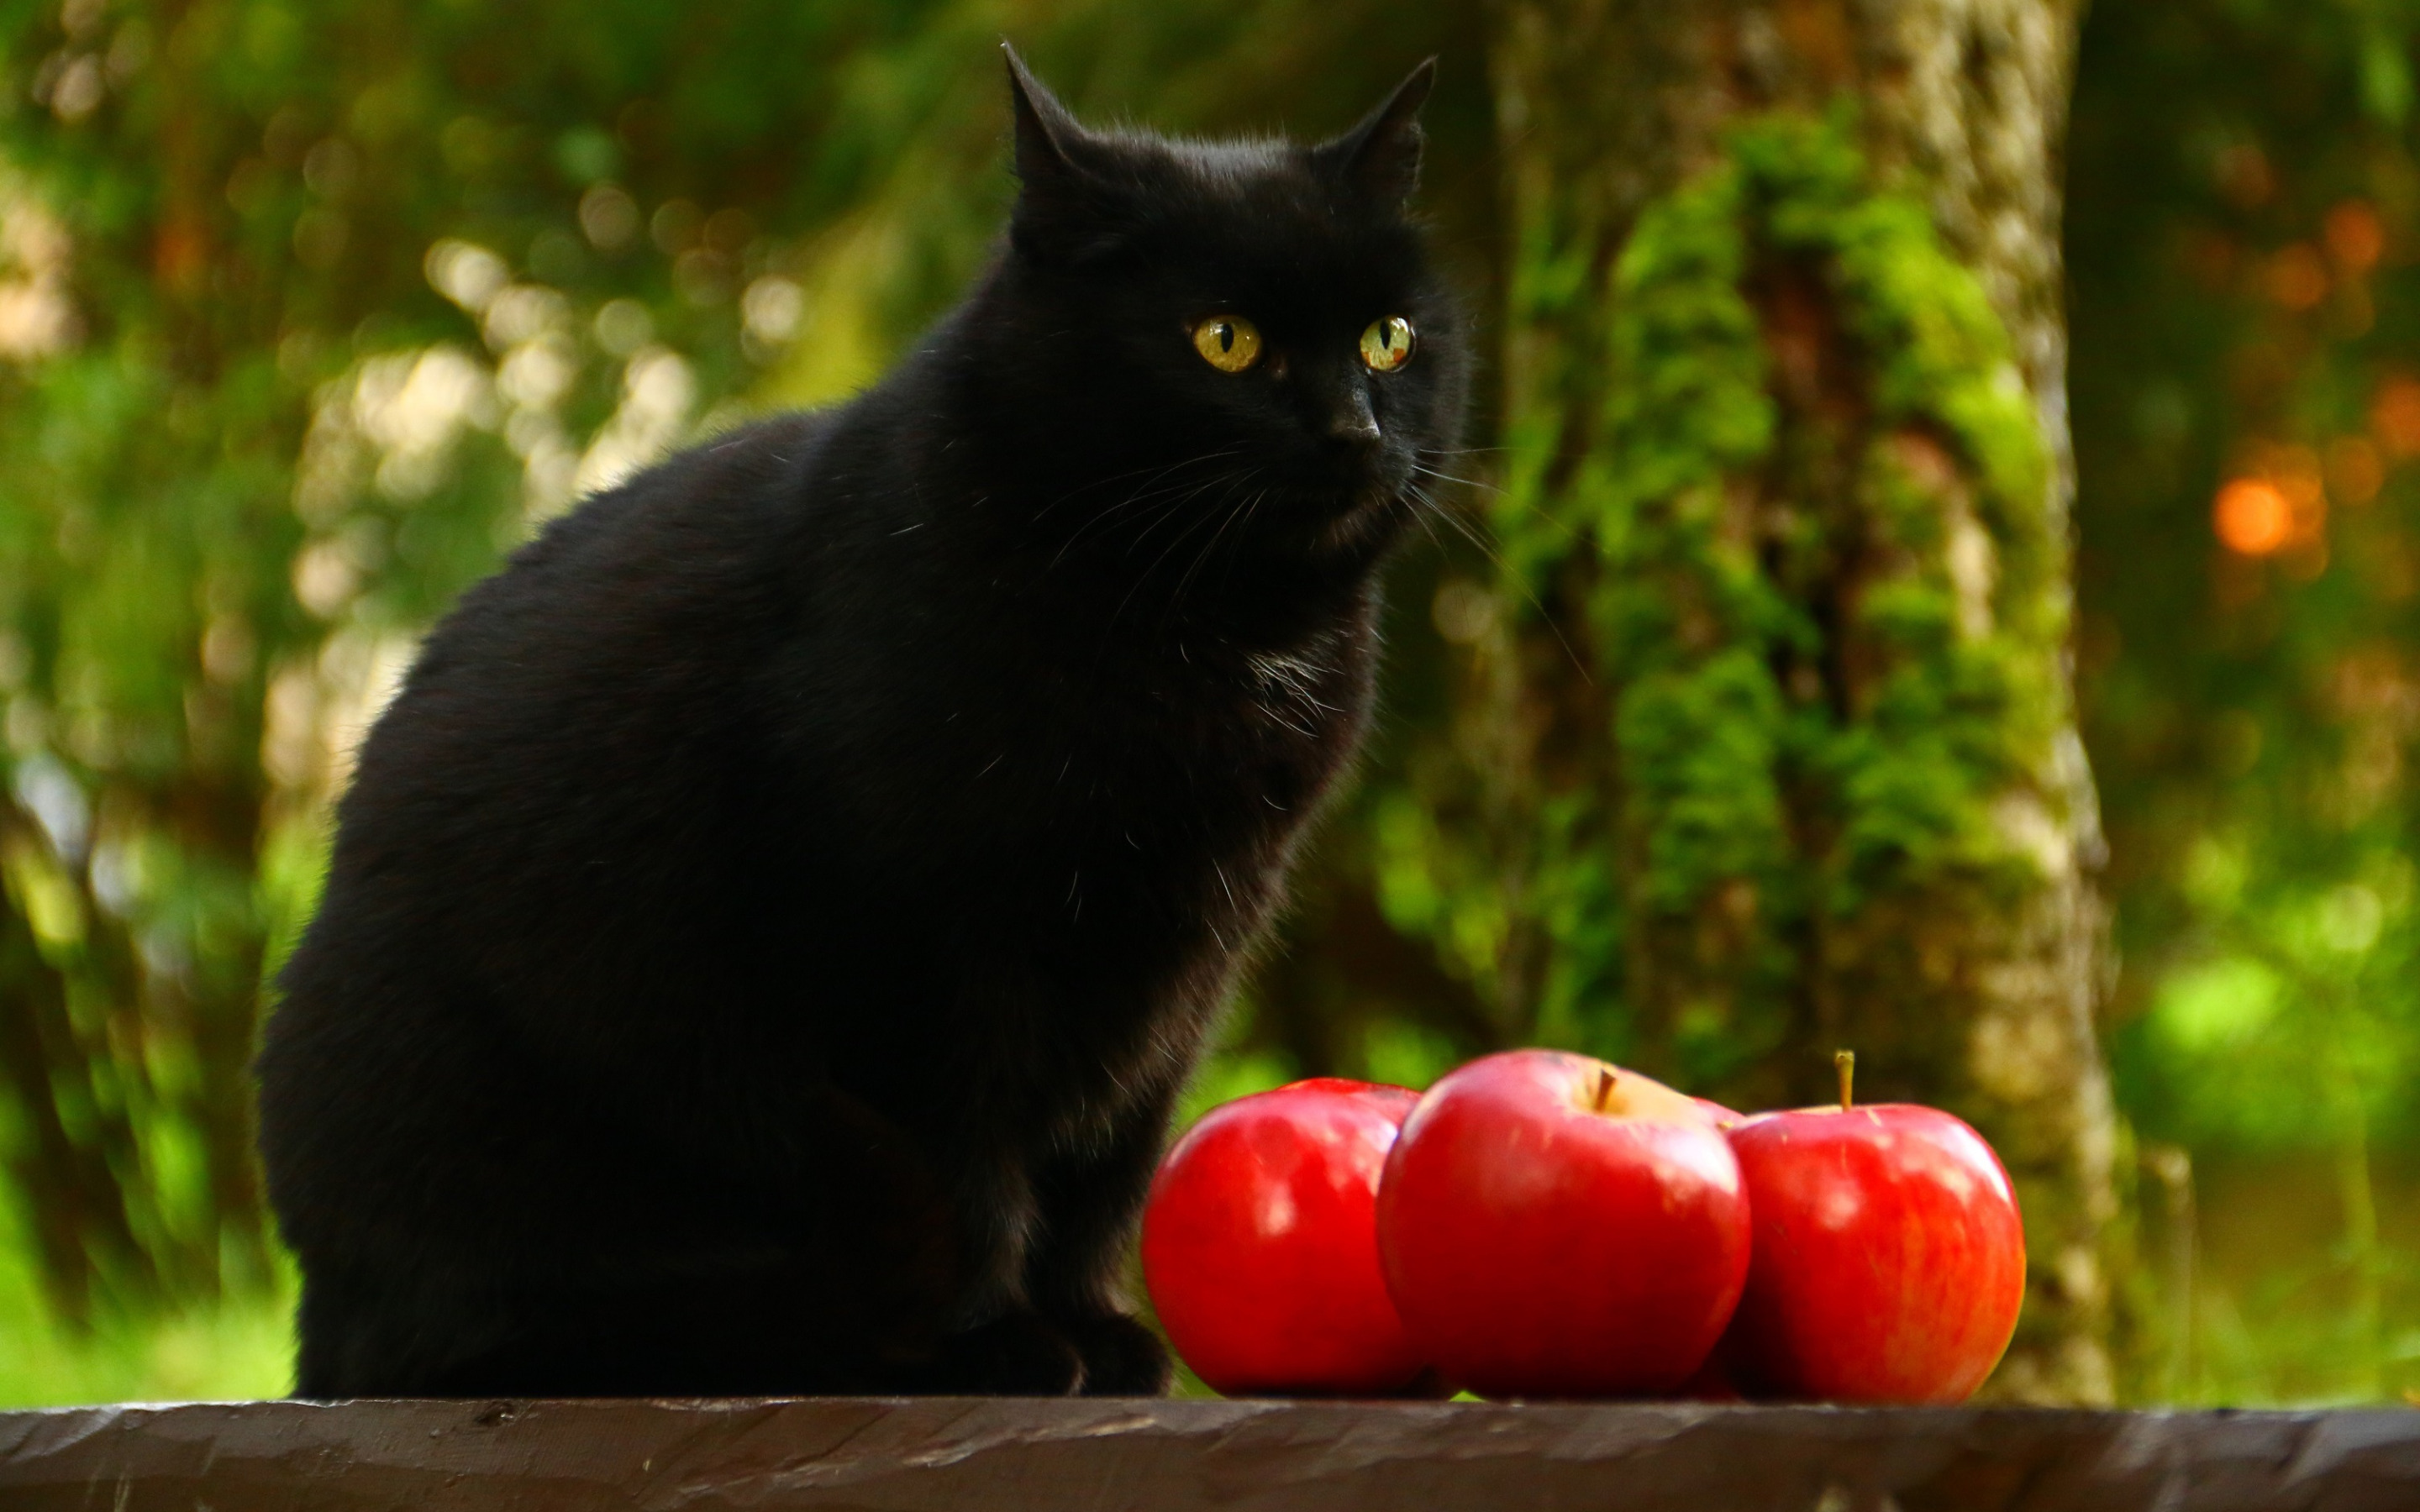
(766, 936)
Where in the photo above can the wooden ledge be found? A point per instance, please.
(1002, 1455)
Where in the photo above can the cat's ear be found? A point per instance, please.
(1062, 203)
(1381, 156)
(1046, 132)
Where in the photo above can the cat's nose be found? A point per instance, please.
(1351, 420)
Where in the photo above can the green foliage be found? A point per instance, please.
(2245, 303)
(231, 1349)
(2245, 708)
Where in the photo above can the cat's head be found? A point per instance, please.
(1244, 338)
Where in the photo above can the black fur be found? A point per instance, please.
(766, 935)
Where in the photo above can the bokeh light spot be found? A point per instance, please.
(2252, 517)
(2298, 279)
(2354, 236)
(2395, 416)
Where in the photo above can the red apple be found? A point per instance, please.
(1260, 1243)
(1554, 1226)
(1889, 1259)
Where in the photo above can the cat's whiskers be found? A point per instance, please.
(1155, 475)
(1176, 599)
(1504, 571)
(1501, 493)
(1178, 540)
(1144, 492)
(1174, 496)
(1421, 515)
(1171, 510)
(1444, 476)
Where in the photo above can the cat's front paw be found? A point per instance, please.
(1122, 1356)
(1018, 1355)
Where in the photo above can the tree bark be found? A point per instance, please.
(1716, 720)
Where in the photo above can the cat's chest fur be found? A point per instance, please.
(1098, 742)
(1190, 743)
(1105, 807)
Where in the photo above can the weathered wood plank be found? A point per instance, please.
(1004, 1456)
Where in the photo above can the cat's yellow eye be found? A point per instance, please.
(1388, 343)
(1229, 343)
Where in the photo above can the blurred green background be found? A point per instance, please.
(310, 312)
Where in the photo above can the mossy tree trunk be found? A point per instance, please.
(1768, 732)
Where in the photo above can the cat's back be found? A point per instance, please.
(591, 702)
(690, 548)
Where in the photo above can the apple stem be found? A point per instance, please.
(1845, 1062)
(1604, 1088)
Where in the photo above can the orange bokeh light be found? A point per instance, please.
(2395, 416)
(2297, 278)
(2355, 236)
(2252, 517)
